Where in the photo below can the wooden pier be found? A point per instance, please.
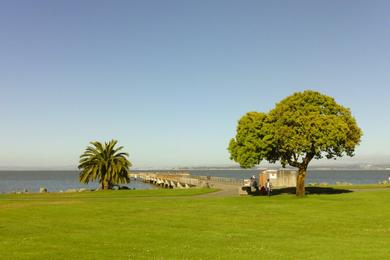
(183, 180)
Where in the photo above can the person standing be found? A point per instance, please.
(252, 180)
(268, 187)
(254, 184)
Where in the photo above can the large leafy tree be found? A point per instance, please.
(104, 163)
(304, 126)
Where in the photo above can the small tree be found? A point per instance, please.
(301, 127)
(105, 163)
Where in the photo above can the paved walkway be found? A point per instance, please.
(226, 190)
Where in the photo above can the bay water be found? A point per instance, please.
(11, 181)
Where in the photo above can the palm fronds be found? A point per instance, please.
(104, 163)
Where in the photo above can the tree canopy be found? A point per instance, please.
(104, 163)
(301, 127)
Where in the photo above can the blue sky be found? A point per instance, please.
(170, 79)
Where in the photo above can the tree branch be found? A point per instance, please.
(295, 157)
(308, 158)
(293, 163)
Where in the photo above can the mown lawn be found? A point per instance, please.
(174, 224)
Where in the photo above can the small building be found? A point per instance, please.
(278, 178)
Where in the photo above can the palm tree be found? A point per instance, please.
(105, 163)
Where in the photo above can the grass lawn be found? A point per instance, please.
(174, 224)
(357, 186)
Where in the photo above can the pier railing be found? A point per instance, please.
(219, 179)
(185, 178)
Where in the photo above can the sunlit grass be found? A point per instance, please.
(174, 224)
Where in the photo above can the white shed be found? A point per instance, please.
(278, 178)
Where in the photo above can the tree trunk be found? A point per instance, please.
(300, 190)
(106, 185)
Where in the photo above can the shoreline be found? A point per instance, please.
(55, 181)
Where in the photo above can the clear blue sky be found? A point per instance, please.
(170, 79)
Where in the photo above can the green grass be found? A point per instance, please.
(173, 224)
(357, 186)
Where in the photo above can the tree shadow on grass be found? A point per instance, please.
(310, 190)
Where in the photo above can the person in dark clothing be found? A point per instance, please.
(254, 184)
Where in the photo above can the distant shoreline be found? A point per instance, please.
(205, 169)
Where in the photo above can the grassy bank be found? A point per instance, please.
(174, 224)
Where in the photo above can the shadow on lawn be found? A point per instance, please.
(310, 190)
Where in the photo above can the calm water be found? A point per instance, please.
(52, 180)
(62, 180)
